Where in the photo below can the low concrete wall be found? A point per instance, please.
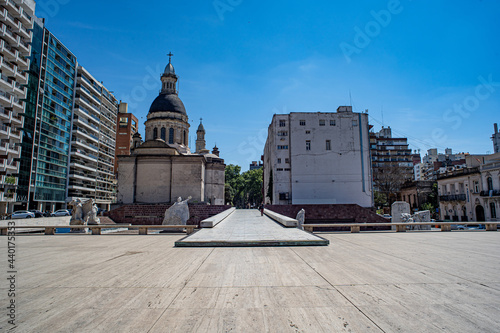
(285, 220)
(214, 220)
(317, 214)
(153, 214)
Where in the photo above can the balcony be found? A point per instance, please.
(8, 35)
(7, 68)
(453, 197)
(492, 193)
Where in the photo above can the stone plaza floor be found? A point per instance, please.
(367, 282)
(249, 228)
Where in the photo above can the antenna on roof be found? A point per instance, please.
(350, 98)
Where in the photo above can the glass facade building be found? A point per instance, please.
(53, 130)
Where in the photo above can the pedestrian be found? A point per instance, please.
(261, 208)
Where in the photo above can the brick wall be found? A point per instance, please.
(153, 214)
(332, 214)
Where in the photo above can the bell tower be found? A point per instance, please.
(200, 139)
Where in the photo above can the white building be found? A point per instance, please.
(16, 20)
(93, 138)
(318, 158)
(496, 139)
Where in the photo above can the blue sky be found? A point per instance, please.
(428, 69)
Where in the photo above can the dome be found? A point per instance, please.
(169, 69)
(168, 103)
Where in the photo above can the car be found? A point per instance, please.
(22, 214)
(37, 213)
(61, 212)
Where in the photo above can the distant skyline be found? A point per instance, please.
(429, 70)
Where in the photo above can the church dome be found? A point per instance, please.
(168, 103)
(169, 69)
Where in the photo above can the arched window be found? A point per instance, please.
(171, 135)
(155, 133)
(493, 210)
(184, 139)
(490, 184)
(164, 134)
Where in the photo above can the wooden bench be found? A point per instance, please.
(96, 229)
(400, 226)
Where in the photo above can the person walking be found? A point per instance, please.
(261, 208)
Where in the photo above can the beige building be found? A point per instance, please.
(16, 20)
(93, 142)
(162, 168)
(471, 193)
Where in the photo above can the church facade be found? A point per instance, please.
(162, 168)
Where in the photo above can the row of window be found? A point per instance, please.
(328, 145)
(322, 122)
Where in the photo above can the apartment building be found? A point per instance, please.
(318, 158)
(126, 127)
(391, 158)
(93, 142)
(69, 130)
(16, 20)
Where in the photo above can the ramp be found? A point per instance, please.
(246, 228)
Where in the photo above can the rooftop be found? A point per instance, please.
(367, 282)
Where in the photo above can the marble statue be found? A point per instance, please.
(92, 218)
(423, 216)
(178, 213)
(77, 216)
(83, 213)
(301, 218)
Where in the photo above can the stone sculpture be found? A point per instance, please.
(83, 214)
(301, 218)
(77, 216)
(92, 218)
(178, 213)
(423, 216)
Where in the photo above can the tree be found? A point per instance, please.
(389, 181)
(243, 189)
(270, 187)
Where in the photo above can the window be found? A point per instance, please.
(332, 122)
(279, 160)
(123, 121)
(287, 169)
(322, 122)
(302, 123)
(279, 169)
(283, 133)
(164, 134)
(493, 210)
(171, 136)
(308, 145)
(490, 184)
(282, 123)
(282, 147)
(287, 160)
(284, 196)
(328, 145)
(354, 123)
(308, 132)
(155, 133)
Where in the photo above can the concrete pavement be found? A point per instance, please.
(249, 228)
(367, 282)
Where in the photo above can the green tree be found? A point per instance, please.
(243, 189)
(270, 187)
